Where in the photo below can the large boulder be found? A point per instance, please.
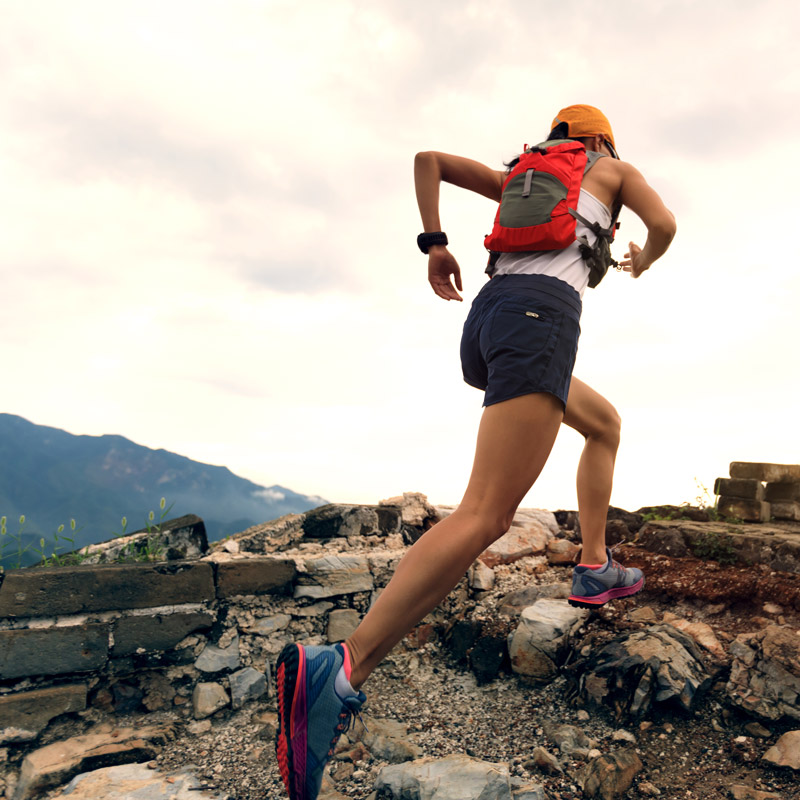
(633, 670)
(765, 674)
(541, 640)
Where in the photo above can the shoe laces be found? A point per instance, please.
(346, 720)
(612, 550)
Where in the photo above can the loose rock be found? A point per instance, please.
(455, 777)
(207, 699)
(786, 751)
(765, 674)
(611, 775)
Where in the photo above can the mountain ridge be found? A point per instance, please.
(52, 476)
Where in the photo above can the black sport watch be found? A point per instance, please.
(426, 240)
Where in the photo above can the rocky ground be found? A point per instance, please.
(438, 707)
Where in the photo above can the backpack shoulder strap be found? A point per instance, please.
(592, 158)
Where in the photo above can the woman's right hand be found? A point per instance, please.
(634, 262)
(443, 271)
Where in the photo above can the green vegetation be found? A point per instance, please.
(62, 552)
(661, 512)
(714, 546)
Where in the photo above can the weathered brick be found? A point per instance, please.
(24, 715)
(790, 511)
(53, 651)
(72, 590)
(783, 492)
(746, 488)
(329, 576)
(158, 632)
(771, 473)
(747, 510)
(253, 576)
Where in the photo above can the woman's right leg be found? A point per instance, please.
(514, 442)
(592, 415)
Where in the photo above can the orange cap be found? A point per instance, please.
(585, 120)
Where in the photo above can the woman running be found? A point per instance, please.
(519, 345)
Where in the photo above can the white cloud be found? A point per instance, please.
(209, 221)
(270, 494)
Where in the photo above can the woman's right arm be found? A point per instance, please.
(637, 195)
(430, 169)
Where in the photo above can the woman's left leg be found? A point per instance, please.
(514, 442)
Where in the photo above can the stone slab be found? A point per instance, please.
(53, 651)
(783, 492)
(137, 781)
(330, 576)
(454, 777)
(518, 542)
(333, 520)
(59, 762)
(747, 489)
(255, 576)
(72, 590)
(773, 545)
(748, 510)
(176, 540)
(24, 715)
(156, 632)
(771, 473)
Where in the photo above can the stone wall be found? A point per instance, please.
(759, 492)
(191, 635)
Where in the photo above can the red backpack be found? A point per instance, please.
(538, 207)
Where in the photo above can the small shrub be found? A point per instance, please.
(713, 546)
(150, 550)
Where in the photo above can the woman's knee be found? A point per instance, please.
(611, 426)
(486, 525)
(605, 425)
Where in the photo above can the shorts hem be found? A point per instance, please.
(522, 393)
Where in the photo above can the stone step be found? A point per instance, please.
(771, 473)
(747, 510)
(746, 488)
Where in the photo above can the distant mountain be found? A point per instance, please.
(52, 476)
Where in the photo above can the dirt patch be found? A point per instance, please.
(670, 578)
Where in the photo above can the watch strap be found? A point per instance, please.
(427, 240)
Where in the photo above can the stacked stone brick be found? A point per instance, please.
(759, 492)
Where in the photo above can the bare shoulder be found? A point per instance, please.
(604, 180)
(636, 194)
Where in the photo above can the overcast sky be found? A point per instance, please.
(207, 230)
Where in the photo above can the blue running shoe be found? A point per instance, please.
(592, 588)
(316, 705)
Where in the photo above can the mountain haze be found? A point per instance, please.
(52, 476)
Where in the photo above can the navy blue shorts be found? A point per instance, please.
(521, 336)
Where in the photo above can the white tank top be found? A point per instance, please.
(567, 264)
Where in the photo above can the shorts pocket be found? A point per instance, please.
(527, 326)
